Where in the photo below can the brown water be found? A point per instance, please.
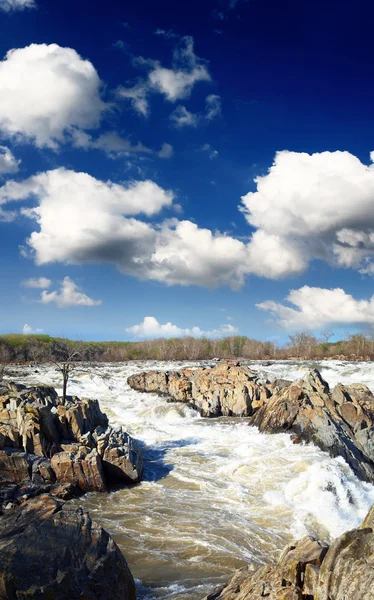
(216, 493)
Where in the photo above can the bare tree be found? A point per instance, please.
(66, 360)
(326, 334)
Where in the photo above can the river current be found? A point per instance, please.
(216, 493)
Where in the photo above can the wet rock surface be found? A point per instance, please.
(49, 549)
(311, 570)
(339, 421)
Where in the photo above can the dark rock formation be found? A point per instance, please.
(339, 421)
(50, 550)
(310, 570)
(44, 441)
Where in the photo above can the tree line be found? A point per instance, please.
(17, 348)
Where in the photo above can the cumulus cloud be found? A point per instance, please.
(318, 206)
(307, 207)
(37, 282)
(69, 295)
(27, 330)
(181, 117)
(315, 307)
(151, 328)
(47, 93)
(14, 5)
(175, 83)
(8, 163)
(81, 218)
(84, 220)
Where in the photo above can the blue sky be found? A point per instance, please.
(204, 165)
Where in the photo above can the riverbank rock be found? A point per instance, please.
(45, 441)
(49, 549)
(311, 570)
(339, 421)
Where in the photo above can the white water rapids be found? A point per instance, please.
(216, 493)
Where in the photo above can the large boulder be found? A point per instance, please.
(49, 550)
(226, 390)
(81, 467)
(120, 454)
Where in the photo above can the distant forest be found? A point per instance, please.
(17, 348)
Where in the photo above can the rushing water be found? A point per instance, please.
(216, 493)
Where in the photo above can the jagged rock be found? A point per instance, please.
(79, 417)
(83, 468)
(52, 550)
(339, 422)
(36, 427)
(223, 390)
(121, 455)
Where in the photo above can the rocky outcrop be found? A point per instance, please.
(46, 441)
(311, 570)
(222, 391)
(49, 549)
(339, 421)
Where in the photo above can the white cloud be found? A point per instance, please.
(151, 328)
(27, 330)
(69, 295)
(137, 96)
(82, 218)
(14, 5)
(175, 83)
(315, 307)
(181, 117)
(166, 151)
(47, 93)
(37, 282)
(8, 163)
(185, 254)
(318, 206)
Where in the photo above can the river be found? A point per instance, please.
(216, 493)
